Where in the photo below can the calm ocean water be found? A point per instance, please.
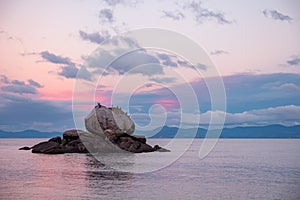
(235, 169)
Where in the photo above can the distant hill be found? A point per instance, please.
(273, 131)
(28, 134)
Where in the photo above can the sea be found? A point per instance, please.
(233, 169)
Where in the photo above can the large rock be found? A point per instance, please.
(55, 139)
(115, 125)
(48, 147)
(70, 144)
(102, 118)
(109, 130)
(71, 134)
(77, 141)
(131, 143)
(25, 148)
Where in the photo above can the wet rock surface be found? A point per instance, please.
(70, 143)
(130, 143)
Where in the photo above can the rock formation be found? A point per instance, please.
(108, 130)
(70, 143)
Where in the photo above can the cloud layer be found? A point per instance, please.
(21, 109)
(175, 15)
(274, 14)
(106, 15)
(202, 14)
(93, 37)
(50, 57)
(294, 61)
(251, 100)
(284, 115)
(30, 113)
(19, 87)
(68, 69)
(197, 11)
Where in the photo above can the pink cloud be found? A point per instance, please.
(168, 104)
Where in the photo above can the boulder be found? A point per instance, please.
(75, 146)
(25, 148)
(139, 138)
(55, 139)
(116, 125)
(102, 118)
(48, 147)
(70, 144)
(130, 143)
(71, 135)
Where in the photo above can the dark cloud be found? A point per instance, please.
(167, 59)
(4, 79)
(294, 62)
(169, 63)
(69, 71)
(250, 91)
(113, 2)
(109, 51)
(201, 66)
(83, 73)
(129, 61)
(164, 80)
(93, 37)
(202, 14)
(122, 2)
(34, 83)
(244, 92)
(106, 15)
(175, 15)
(50, 57)
(174, 61)
(274, 14)
(102, 58)
(163, 56)
(19, 87)
(26, 113)
(184, 63)
(218, 52)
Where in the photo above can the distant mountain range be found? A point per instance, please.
(28, 134)
(273, 131)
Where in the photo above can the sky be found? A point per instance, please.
(55, 62)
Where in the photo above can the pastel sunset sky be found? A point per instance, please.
(49, 49)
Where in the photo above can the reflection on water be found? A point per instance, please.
(102, 181)
(236, 169)
(91, 162)
(108, 175)
(95, 170)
